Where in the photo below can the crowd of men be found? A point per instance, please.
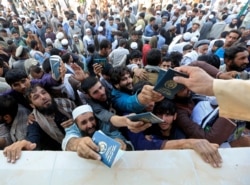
(109, 64)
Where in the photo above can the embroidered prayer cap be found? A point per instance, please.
(81, 110)
(201, 43)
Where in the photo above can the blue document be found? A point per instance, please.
(109, 149)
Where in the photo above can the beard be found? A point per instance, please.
(49, 110)
(234, 67)
(231, 25)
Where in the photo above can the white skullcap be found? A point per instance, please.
(65, 42)
(48, 41)
(133, 45)
(19, 51)
(187, 36)
(158, 12)
(75, 35)
(100, 29)
(59, 35)
(81, 110)
(88, 29)
(211, 16)
(194, 39)
(138, 28)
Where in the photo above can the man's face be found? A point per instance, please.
(40, 99)
(134, 37)
(21, 86)
(86, 123)
(183, 22)
(39, 24)
(239, 63)
(231, 38)
(76, 39)
(202, 50)
(111, 22)
(15, 24)
(164, 20)
(195, 27)
(137, 61)
(71, 23)
(126, 82)
(165, 65)
(97, 92)
(168, 120)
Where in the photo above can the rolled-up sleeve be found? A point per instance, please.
(71, 132)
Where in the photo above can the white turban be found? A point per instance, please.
(81, 110)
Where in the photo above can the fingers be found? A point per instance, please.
(180, 80)
(31, 118)
(67, 123)
(88, 149)
(209, 153)
(138, 126)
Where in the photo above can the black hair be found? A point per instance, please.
(104, 44)
(218, 43)
(231, 52)
(211, 59)
(154, 57)
(15, 75)
(35, 69)
(117, 74)
(66, 57)
(55, 51)
(165, 106)
(8, 106)
(88, 83)
(224, 34)
(46, 65)
(135, 54)
(33, 44)
(187, 47)
(176, 58)
(235, 31)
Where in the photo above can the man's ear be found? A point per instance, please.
(32, 105)
(227, 61)
(175, 116)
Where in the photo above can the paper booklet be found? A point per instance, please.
(109, 149)
(166, 85)
(145, 117)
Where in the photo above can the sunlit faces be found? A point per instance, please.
(137, 61)
(126, 82)
(21, 85)
(239, 63)
(86, 123)
(168, 121)
(203, 49)
(97, 92)
(231, 38)
(40, 98)
(166, 65)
